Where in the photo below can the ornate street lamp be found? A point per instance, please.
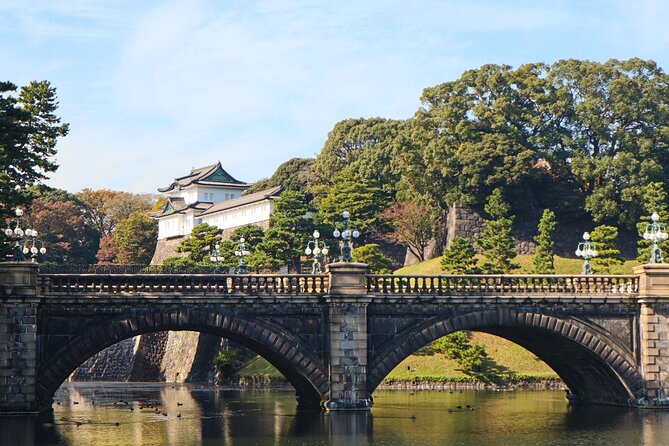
(241, 252)
(587, 250)
(349, 230)
(216, 256)
(655, 232)
(24, 241)
(318, 248)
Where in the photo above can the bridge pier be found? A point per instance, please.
(18, 337)
(347, 310)
(654, 332)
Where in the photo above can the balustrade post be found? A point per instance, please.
(653, 298)
(347, 302)
(18, 337)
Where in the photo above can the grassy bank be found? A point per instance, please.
(562, 266)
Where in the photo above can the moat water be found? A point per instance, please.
(162, 414)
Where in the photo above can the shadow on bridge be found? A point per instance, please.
(595, 366)
(284, 350)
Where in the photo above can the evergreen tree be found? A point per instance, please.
(605, 239)
(654, 200)
(198, 244)
(371, 255)
(543, 253)
(289, 230)
(496, 242)
(460, 258)
(253, 237)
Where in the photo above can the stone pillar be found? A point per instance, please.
(18, 337)
(654, 331)
(347, 307)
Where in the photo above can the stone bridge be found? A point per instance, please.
(336, 336)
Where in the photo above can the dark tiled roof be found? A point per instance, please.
(177, 205)
(213, 175)
(244, 200)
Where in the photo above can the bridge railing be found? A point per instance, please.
(282, 284)
(445, 285)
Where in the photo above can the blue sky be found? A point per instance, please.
(153, 88)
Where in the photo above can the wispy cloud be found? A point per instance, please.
(157, 87)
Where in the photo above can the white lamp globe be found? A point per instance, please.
(18, 232)
(42, 250)
(18, 212)
(242, 240)
(8, 232)
(355, 234)
(586, 236)
(25, 250)
(317, 234)
(33, 250)
(325, 251)
(655, 217)
(336, 233)
(346, 234)
(345, 214)
(307, 251)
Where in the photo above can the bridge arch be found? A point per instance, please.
(284, 350)
(595, 366)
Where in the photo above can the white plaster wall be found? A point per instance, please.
(253, 213)
(171, 226)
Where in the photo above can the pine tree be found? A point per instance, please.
(654, 200)
(543, 253)
(460, 258)
(605, 239)
(199, 242)
(496, 242)
(371, 255)
(288, 233)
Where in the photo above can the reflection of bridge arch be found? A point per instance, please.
(284, 350)
(594, 366)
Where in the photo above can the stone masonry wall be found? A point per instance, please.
(655, 350)
(111, 364)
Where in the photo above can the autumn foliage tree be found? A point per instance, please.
(62, 229)
(411, 226)
(135, 239)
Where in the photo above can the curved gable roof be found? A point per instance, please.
(213, 175)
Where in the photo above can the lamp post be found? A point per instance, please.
(317, 247)
(655, 232)
(349, 230)
(587, 250)
(216, 257)
(25, 242)
(241, 252)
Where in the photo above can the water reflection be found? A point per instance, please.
(156, 414)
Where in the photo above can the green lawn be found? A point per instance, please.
(562, 266)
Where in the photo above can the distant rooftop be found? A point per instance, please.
(213, 175)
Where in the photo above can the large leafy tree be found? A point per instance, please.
(29, 130)
(61, 227)
(104, 208)
(135, 239)
(295, 174)
(372, 256)
(585, 138)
